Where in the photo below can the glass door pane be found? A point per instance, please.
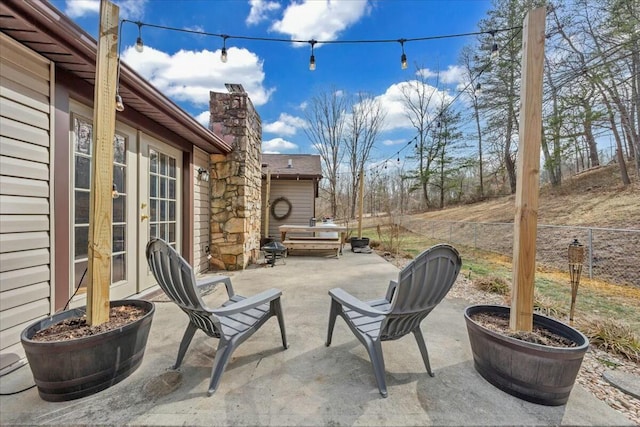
(83, 147)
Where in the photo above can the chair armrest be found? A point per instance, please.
(205, 282)
(391, 289)
(248, 303)
(354, 303)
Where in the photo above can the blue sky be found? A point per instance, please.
(276, 75)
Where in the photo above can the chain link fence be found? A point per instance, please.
(611, 254)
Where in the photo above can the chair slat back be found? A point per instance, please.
(422, 284)
(174, 275)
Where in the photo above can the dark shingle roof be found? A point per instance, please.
(302, 165)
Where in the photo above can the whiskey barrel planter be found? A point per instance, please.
(533, 372)
(70, 369)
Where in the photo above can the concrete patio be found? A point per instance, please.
(308, 384)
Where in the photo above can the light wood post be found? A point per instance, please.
(100, 213)
(528, 171)
(267, 205)
(361, 203)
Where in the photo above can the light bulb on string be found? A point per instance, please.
(403, 57)
(478, 89)
(494, 47)
(119, 103)
(223, 52)
(139, 43)
(312, 58)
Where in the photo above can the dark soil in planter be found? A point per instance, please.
(72, 364)
(77, 327)
(499, 322)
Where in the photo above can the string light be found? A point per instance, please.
(223, 52)
(312, 58)
(139, 43)
(478, 89)
(119, 103)
(403, 57)
(494, 46)
(446, 107)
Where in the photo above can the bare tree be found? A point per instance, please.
(362, 128)
(419, 100)
(473, 90)
(325, 118)
(597, 39)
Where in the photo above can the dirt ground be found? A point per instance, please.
(595, 198)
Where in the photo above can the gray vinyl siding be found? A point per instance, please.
(25, 193)
(301, 196)
(201, 213)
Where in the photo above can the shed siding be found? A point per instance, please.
(25, 214)
(201, 210)
(301, 196)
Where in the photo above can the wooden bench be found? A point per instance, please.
(295, 242)
(310, 245)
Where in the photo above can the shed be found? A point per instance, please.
(293, 191)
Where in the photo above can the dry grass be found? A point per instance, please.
(493, 284)
(595, 198)
(614, 337)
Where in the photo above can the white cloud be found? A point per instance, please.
(319, 19)
(78, 8)
(203, 118)
(129, 9)
(453, 74)
(196, 28)
(425, 73)
(276, 145)
(393, 142)
(393, 102)
(260, 10)
(303, 105)
(190, 75)
(285, 125)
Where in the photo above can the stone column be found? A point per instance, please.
(235, 182)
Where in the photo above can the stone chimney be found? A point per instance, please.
(235, 180)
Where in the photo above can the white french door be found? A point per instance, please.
(124, 238)
(159, 208)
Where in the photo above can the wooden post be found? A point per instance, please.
(267, 205)
(528, 171)
(361, 203)
(100, 213)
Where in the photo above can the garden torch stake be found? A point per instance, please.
(576, 258)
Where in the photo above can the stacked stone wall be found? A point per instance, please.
(235, 182)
